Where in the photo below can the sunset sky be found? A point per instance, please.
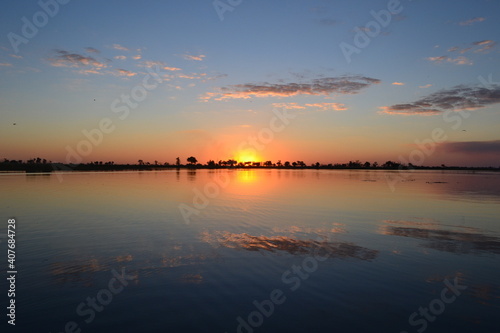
(327, 81)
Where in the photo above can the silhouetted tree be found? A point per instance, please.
(211, 163)
(287, 164)
(279, 163)
(192, 160)
(177, 161)
(140, 162)
(391, 164)
(367, 164)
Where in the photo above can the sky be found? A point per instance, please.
(313, 80)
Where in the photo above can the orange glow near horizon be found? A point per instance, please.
(248, 155)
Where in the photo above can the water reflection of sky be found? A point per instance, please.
(389, 252)
(447, 238)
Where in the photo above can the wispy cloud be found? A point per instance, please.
(482, 46)
(120, 47)
(63, 58)
(328, 106)
(457, 61)
(409, 110)
(161, 64)
(171, 68)
(457, 98)
(398, 83)
(137, 57)
(16, 56)
(321, 86)
(124, 72)
(472, 21)
(92, 50)
(193, 57)
(318, 106)
(425, 86)
(485, 45)
(5, 64)
(120, 57)
(288, 106)
(472, 147)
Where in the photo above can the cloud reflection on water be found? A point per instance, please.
(283, 244)
(446, 238)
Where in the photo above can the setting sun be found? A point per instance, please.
(248, 155)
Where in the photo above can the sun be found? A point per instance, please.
(248, 155)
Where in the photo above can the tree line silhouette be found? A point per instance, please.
(43, 165)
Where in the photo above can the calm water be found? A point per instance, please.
(255, 251)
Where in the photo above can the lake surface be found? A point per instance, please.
(255, 251)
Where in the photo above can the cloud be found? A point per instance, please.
(161, 64)
(477, 47)
(137, 57)
(426, 86)
(457, 98)
(193, 57)
(92, 50)
(5, 64)
(65, 59)
(16, 56)
(120, 57)
(472, 21)
(398, 83)
(437, 59)
(483, 42)
(288, 106)
(321, 86)
(457, 61)
(472, 147)
(120, 47)
(460, 61)
(320, 106)
(124, 72)
(329, 106)
(171, 68)
(89, 71)
(486, 45)
(408, 110)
